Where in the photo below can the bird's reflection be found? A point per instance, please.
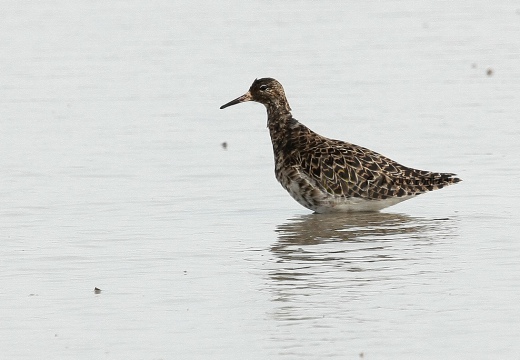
(368, 228)
(344, 253)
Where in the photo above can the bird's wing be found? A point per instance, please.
(348, 170)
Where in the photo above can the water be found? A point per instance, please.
(113, 176)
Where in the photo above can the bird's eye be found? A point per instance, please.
(263, 87)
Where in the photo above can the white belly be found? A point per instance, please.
(357, 204)
(322, 202)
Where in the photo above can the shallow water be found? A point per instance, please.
(113, 176)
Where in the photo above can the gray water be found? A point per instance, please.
(113, 176)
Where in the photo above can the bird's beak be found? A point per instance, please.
(246, 97)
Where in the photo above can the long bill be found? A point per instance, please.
(246, 97)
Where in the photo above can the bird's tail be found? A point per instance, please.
(434, 181)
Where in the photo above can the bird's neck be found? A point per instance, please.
(281, 126)
(278, 113)
(278, 121)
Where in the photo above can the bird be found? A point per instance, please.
(327, 175)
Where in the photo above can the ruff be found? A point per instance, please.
(327, 175)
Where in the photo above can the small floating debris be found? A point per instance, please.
(224, 145)
(97, 290)
(489, 72)
(474, 65)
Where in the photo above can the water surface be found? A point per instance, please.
(113, 176)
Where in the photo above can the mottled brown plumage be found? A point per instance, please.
(328, 175)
